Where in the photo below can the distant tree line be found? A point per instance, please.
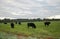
(26, 20)
(19, 20)
(51, 19)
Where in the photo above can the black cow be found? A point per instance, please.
(31, 25)
(5, 23)
(12, 25)
(19, 23)
(47, 23)
(16, 22)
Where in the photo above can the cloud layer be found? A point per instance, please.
(29, 8)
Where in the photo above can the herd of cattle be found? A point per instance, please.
(46, 23)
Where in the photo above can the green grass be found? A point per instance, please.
(4, 35)
(41, 30)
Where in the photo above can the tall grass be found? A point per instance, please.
(41, 30)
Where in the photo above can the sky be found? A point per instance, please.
(29, 8)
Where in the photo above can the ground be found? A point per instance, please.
(50, 32)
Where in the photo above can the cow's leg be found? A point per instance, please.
(12, 26)
(45, 25)
(48, 24)
(33, 26)
(28, 26)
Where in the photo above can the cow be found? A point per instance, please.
(31, 25)
(12, 25)
(19, 23)
(5, 23)
(47, 23)
(16, 22)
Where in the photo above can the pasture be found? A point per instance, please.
(52, 30)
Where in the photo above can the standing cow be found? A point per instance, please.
(47, 23)
(31, 25)
(12, 25)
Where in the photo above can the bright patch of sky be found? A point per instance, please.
(29, 8)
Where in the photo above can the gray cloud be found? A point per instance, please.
(29, 8)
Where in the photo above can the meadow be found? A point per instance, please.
(52, 30)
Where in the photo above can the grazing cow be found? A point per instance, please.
(19, 23)
(5, 23)
(31, 25)
(12, 25)
(47, 23)
(16, 22)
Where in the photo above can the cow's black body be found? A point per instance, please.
(47, 23)
(31, 25)
(19, 23)
(12, 25)
(5, 23)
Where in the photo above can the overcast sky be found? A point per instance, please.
(29, 8)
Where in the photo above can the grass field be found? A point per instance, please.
(52, 30)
